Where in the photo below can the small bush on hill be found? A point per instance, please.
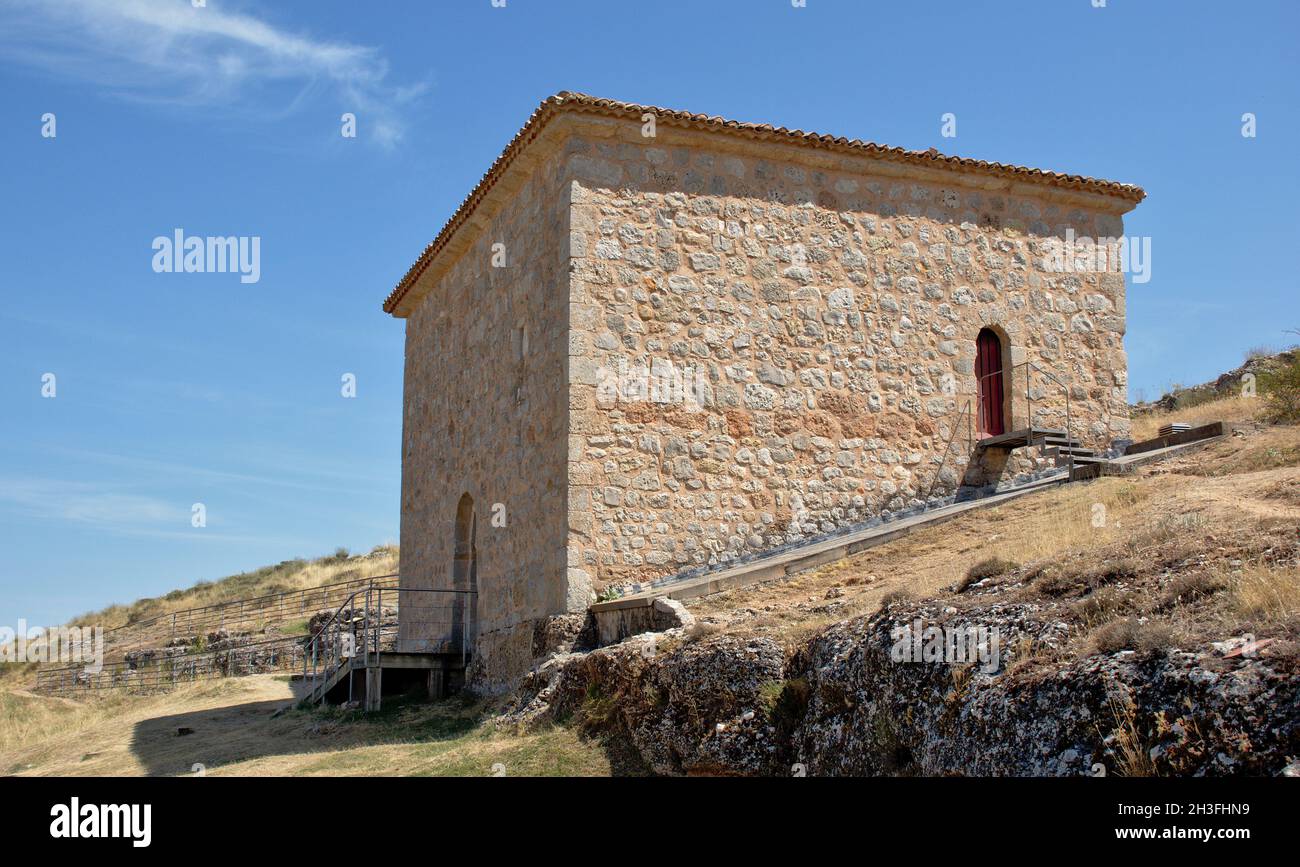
(1281, 389)
(990, 568)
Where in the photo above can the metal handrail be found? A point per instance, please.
(1029, 402)
(948, 446)
(370, 625)
(326, 644)
(188, 614)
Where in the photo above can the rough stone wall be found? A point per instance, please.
(485, 413)
(831, 306)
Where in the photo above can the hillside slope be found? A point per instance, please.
(1150, 625)
(1146, 625)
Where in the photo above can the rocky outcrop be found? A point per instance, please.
(1225, 385)
(844, 703)
(687, 708)
(1161, 712)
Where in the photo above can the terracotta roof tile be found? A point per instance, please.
(581, 103)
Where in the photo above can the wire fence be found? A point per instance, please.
(360, 619)
(166, 669)
(274, 609)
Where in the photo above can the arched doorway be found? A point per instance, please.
(988, 370)
(464, 575)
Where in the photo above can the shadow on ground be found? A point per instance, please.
(447, 736)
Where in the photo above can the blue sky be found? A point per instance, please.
(175, 389)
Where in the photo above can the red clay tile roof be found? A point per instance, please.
(578, 102)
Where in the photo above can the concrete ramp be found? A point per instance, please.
(636, 613)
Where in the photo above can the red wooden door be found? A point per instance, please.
(988, 367)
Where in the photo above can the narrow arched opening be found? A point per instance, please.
(991, 385)
(464, 575)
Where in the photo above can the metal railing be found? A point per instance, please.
(976, 408)
(445, 619)
(268, 609)
(1029, 368)
(947, 447)
(166, 669)
(363, 628)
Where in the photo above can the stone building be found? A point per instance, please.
(650, 341)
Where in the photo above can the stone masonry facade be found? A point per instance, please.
(735, 342)
(485, 397)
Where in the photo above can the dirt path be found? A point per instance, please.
(131, 735)
(233, 730)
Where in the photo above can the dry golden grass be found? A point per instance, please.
(1267, 596)
(284, 577)
(1046, 524)
(234, 733)
(1072, 536)
(1229, 409)
(1070, 518)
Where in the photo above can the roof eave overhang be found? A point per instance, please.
(540, 137)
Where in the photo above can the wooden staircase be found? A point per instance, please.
(360, 678)
(345, 660)
(1064, 448)
(1067, 450)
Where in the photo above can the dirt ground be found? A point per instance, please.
(234, 730)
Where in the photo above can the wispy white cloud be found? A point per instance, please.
(97, 509)
(170, 51)
(87, 504)
(279, 470)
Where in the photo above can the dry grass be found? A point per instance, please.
(1267, 596)
(236, 734)
(1229, 409)
(283, 577)
(1146, 562)
(932, 560)
(1131, 750)
(1268, 452)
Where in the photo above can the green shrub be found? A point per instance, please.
(1281, 390)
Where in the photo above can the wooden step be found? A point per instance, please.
(1062, 453)
(1017, 438)
(1061, 441)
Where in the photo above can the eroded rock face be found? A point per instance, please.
(694, 709)
(844, 704)
(1170, 712)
